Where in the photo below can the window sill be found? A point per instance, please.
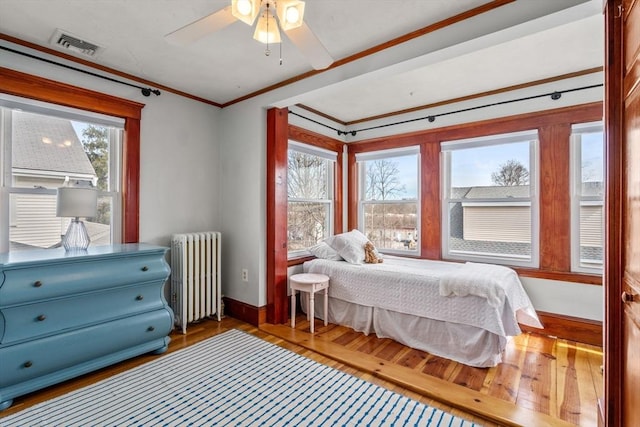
(588, 279)
(299, 260)
(565, 276)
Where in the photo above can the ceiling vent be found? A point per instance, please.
(65, 40)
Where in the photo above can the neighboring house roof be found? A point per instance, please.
(459, 192)
(592, 188)
(490, 192)
(498, 192)
(42, 143)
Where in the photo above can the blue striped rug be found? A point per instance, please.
(232, 379)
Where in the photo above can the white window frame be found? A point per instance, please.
(388, 155)
(533, 201)
(332, 157)
(116, 131)
(577, 199)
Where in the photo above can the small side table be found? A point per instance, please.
(309, 283)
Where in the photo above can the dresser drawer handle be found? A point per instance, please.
(151, 329)
(41, 318)
(139, 298)
(145, 268)
(37, 283)
(27, 364)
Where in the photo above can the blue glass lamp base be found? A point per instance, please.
(76, 237)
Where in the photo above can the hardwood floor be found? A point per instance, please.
(209, 328)
(542, 380)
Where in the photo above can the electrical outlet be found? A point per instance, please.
(245, 275)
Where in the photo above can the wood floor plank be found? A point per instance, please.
(372, 344)
(390, 350)
(438, 367)
(506, 380)
(346, 337)
(595, 357)
(567, 388)
(554, 399)
(470, 377)
(401, 355)
(535, 391)
(413, 358)
(586, 387)
(358, 342)
(330, 332)
(489, 377)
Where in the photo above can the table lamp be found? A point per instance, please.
(76, 202)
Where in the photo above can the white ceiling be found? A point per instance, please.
(229, 64)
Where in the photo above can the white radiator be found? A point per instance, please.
(195, 277)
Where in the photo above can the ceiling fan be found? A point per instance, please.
(289, 15)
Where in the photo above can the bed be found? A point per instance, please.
(461, 311)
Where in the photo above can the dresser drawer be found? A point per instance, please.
(35, 320)
(22, 362)
(27, 285)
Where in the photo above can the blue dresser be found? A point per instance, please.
(65, 314)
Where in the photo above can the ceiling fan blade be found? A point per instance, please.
(309, 45)
(202, 27)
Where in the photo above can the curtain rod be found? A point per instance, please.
(146, 91)
(317, 122)
(431, 118)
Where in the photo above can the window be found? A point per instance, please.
(388, 208)
(310, 182)
(43, 146)
(587, 197)
(489, 209)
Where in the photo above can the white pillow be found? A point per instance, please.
(324, 251)
(350, 246)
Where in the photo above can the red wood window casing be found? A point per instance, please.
(317, 140)
(277, 301)
(278, 134)
(554, 130)
(33, 87)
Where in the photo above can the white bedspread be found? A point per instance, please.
(484, 280)
(412, 286)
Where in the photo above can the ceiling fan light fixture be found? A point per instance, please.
(245, 10)
(267, 29)
(290, 13)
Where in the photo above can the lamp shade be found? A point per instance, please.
(267, 29)
(290, 13)
(77, 202)
(245, 10)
